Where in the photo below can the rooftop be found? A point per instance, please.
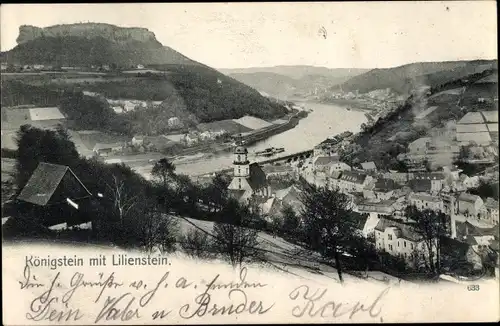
(424, 197)
(44, 182)
(468, 197)
(405, 231)
(353, 176)
(386, 185)
(368, 166)
(257, 179)
(325, 160)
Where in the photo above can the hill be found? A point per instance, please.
(90, 44)
(404, 79)
(186, 87)
(289, 81)
(383, 140)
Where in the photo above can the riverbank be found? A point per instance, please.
(353, 104)
(248, 139)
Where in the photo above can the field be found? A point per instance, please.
(90, 138)
(252, 122)
(231, 126)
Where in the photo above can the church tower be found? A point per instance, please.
(241, 163)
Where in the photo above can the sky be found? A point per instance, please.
(330, 34)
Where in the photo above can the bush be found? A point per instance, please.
(197, 244)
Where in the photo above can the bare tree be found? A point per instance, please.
(197, 243)
(327, 217)
(432, 226)
(236, 241)
(123, 200)
(158, 230)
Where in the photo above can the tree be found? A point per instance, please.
(37, 145)
(122, 198)
(291, 221)
(236, 241)
(217, 193)
(196, 243)
(431, 226)
(157, 230)
(164, 171)
(328, 221)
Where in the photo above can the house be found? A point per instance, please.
(437, 180)
(368, 227)
(157, 143)
(117, 109)
(369, 166)
(420, 185)
(383, 189)
(491, 206)
(450, 206)
(326, 147)
(339, 167)
(283, 170)
(469, 205)
(353, 181)
(423, 201)
(432, 149)
(400, 239)
(290, 196)
(106, 149)
(138, 140)
(249, 179)
(470, 182)
(481, 241)
(376, 207)
(174, 122)
(284, 197)
(323, 163)
(55, 195)
(452, 172)
(401, 178)
(191, 139)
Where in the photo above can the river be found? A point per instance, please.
(325, 120)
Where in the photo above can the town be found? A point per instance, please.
(359, 179)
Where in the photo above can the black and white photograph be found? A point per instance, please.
(212, 163)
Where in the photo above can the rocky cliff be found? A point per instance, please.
(91, 44)
(88, 30)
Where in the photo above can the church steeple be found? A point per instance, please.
(241, 162)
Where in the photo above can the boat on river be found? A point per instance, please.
(270, 151)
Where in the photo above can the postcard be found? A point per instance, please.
(249, 163)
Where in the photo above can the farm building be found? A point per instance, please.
(54, 195)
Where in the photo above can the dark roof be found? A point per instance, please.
(420, 185)
(405, 231)
(240, 150)
(257, 178)
(466, 229)
(383, 206)
(353, 176)
(386, 185)
(324, 160)
(44, 182)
